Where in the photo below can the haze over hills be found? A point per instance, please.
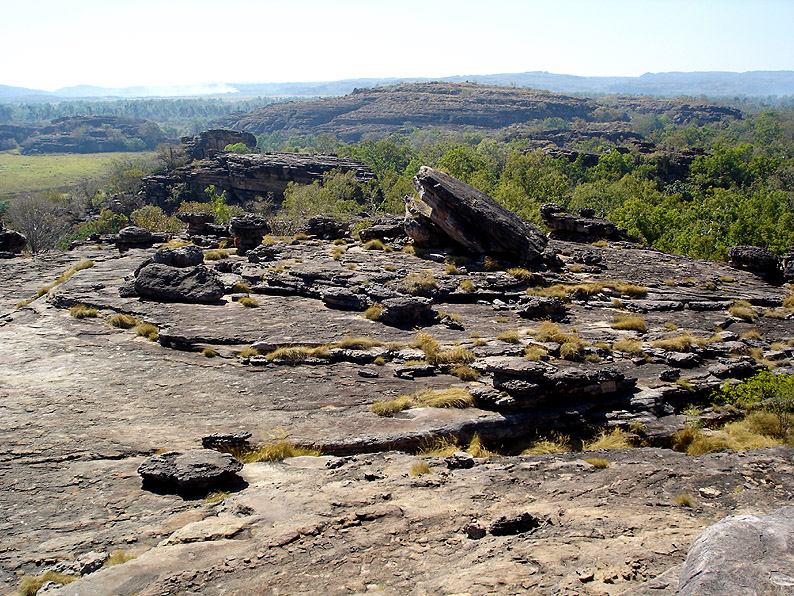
(714, 83)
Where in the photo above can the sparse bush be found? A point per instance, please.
(42, 221)
(81, 311)
(629, 323)
(122, 321)
(451, 269)
(297, 354)
(240, 287)
(209, 353)
(548, 446)
(684, 500)
(764, 391)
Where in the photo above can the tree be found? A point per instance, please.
(172, 156)
(41, 221)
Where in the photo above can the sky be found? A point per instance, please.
(117, 43)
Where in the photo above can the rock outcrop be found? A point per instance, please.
(11, 242)
(475, 221)
(742, 555)
(584, 227)
(207, 143)
(247, 177)
(756, 259)
(194, 469)
(161, 282)
(247, 230)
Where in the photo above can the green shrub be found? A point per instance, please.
(764, 391)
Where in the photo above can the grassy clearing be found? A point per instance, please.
(84, 264)
(32, 173)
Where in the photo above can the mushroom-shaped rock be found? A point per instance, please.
(134, 236)
(325, 227)
(193, 469)
(475, 221)
(184, 256)
(175, 284)
(248, 230)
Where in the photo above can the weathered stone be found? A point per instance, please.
(134, 236)
(742, 555)
(387, 231)
(405, 310)
(584, 227)
(738, 368)
(196, 222)
(541, 307)
(475, 221)
(174, 284)
(184, 256)
(460, 460)
(519, 524)
(11, 241)
(193, 469)
(756, 259)
(209, 142)
(420, 227)
(226, 441)
(788, 265)
(325, 227)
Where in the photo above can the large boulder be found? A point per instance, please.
(194, 469)
(475, 221)
(742, 555)
(11, 241)
(248, 230)
(581, 227)
(759, 260)
(175, 284)
(184, 256)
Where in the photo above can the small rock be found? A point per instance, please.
(460, 460)
(191, 469)
(474, 532)
(368, 374)
(506, 526)
(709, 493)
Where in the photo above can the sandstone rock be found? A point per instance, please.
(756, 259)
(506, 526)
(325, 227)
(390, 230)
(194, 469)
(584, 227)
(742, 555)
(420, 227)
(788, 265)
(406, 310)
(11, 241)
(248, 230)
(541, 307)
(134, 236)
(184, 256)
(475, 221)
(196, 222)
(174, 284)
(208, 142)
(226, 441)
(460, 460)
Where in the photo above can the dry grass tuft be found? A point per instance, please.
(742, 309)
(338, 251)
(216, 497)
(248, 302)
(693, 441)
(452, 397)
(297, 354)
(374, 244)
(275, 451)
(240, 287)
(420, 468)
(209, 353)
(533, 352)
(464, 373)
(358, 343)
(630, 346)
(684, 500)
(510, 337)
(629, 323)
(548, 446)
(374, 312)
(446, 446)
(521, 274)
(30, 585)
(216, 255)
(451, 269)
(419, 283)
(392, 406)
(248, 352)
(615, 439)
(119, 557)
(122, 321)
(467, 286)
(679, 343)
(81, 311)
(147, 330)
(597, 462)
(778, 313)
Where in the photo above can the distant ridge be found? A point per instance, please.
(664, 84)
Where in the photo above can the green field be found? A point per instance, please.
(59, 171)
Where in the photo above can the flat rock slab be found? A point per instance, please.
(742, 555)
(194, 469)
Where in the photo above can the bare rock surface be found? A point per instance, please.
(84, 404)
(742, 555)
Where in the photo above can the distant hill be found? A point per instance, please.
(462, 107)
(664, 84)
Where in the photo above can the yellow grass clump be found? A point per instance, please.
(122, 321)
(615, 439)
(629, 323)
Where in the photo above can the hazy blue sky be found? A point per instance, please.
(54, 43)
